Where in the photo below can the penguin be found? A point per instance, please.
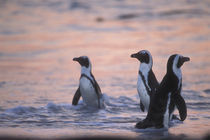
(88, 86)
(147, 82)
(167, 96)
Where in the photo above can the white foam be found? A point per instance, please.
(21, 110)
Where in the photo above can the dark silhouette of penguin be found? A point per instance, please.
(167, 96)
(88, 87)
(147, 82)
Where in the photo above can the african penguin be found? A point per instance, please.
(88, 87)
(167, 96)
(147, 82)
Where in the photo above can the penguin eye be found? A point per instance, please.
(143, 52)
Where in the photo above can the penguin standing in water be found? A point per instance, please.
(147, 82)
(88, 87)
(167, 96)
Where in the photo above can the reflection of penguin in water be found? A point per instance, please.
(147, 82)
(88, 87)
(167, 97)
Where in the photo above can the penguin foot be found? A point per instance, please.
(140, 125)
(143, 124)
(174, 117)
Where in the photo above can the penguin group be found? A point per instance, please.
(159, 100)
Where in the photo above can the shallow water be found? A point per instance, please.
(38, 78)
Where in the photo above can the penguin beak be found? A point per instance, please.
(185, 59)
(138, 56)
(76, 59)
(182, 61)
(134, 55)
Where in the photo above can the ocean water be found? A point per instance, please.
(38, 40)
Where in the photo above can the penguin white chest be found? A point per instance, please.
(88, 92)
(142, 91)
(166, 116)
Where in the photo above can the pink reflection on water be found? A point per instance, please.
(39, 58)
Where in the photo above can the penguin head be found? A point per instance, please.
(83, 61)
(143, 56)
(176, 61)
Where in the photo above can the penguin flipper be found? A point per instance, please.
(153, 82)
(98, 92)
(141, 106)
(76, 97)
(181, 106)
(98, 88)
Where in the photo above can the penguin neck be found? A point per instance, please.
(145, 68)
(177, 71)
(175, 74)
(86, 71)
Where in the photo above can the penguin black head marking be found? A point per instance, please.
(143, 56)
(82, 60)
(182, 60)
(176, 61)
